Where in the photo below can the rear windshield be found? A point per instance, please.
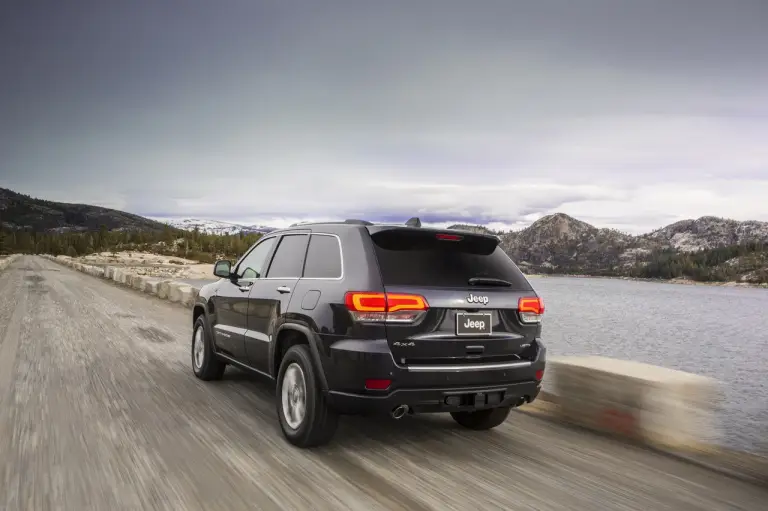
(418, 258)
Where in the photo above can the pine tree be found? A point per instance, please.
(5, 246)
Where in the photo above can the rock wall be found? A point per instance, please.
(167, 289)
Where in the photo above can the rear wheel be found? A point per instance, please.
(305, 417)
(204, 362)
(482, 419)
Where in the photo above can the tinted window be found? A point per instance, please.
(289, 257)
(418, 258)
(323, 258)
(253, 265)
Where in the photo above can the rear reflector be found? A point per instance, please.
(449, 237)
(385, 307)
(377, 384)
(531, 309)
(540, 374)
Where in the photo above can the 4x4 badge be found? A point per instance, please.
(477, 299)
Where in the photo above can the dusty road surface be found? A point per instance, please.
(99, 410)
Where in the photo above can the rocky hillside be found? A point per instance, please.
(562, 244)
(22, 212)
(700, 249)
(709, 232)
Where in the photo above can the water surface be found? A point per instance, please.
(719, 332)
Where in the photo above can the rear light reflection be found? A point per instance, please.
(377, 384)
(531, 309)
(385, 307)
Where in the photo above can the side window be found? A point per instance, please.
(289, 257)
(253, 265)
(323, 258)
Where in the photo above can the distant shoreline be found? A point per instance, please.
(679, 281)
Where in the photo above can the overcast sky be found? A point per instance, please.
(627, 114)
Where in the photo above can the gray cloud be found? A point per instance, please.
(495, 111)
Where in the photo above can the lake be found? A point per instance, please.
(721, 332)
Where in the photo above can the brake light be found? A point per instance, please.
(449, 237)
(385, 307)
(531, 309)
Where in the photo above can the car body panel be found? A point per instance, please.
(231, 304)
(267, 304)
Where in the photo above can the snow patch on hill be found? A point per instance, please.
(214, 226)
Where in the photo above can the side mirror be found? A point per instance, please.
(222, 269)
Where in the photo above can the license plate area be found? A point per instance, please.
(473, 323)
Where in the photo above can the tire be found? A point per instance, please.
(208, 367)
(317, 425)
(482, 419)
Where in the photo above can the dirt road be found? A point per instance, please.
(99, 410)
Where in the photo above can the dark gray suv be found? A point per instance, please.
(360, 318)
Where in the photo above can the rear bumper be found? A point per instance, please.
(424, 389)
(436, 400)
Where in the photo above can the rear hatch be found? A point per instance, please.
(454, 298)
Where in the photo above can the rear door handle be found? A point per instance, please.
(283, 289)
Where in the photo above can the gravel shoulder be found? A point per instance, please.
(99, 410)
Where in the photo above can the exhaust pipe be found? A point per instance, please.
(399, 411)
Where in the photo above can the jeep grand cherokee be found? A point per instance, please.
(360, 318)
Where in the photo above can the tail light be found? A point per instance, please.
(385, 307)
(531, 309)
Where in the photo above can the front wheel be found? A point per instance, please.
(482, 419)
(305, 417)
(204, 363)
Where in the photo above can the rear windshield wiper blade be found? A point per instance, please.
(488, 281)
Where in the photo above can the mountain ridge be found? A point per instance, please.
(559, 243)
(23, 212)
(738, 231)
(704, 248)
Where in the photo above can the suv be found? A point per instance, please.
(356, 318)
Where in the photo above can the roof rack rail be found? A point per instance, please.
(355, 221)
(413, 222)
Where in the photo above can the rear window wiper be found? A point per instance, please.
(488, 281)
